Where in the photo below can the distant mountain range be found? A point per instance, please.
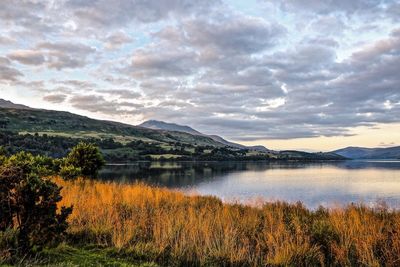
(369, 153)
(161, 125)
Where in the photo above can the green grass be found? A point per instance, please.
(65, 255)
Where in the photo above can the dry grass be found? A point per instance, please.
(173, 229)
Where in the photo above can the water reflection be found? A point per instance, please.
(318, 183)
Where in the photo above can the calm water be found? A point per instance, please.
(314, 184)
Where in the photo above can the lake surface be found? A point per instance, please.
(328, 183)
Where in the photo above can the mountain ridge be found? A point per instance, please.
(162, 125)
(8, 104)
(356, 152)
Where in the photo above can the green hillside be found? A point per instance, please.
(58, 123)
(53, 133)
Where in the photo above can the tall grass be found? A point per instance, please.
(173, 229)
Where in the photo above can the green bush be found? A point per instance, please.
(69, 172)
(86, 157)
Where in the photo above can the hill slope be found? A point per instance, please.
(9, 104)
(68, 124)
(369, 153)
(53, 133)
(161, 125)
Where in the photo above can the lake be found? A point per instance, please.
(319, 183)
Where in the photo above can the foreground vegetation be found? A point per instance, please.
(49, 217)
(167, 227)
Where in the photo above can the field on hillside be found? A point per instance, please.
(170, 228)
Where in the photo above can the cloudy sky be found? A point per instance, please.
(315, 74)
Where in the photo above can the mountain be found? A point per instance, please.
(9, 104)
(369, 153)
(301, 155)
(18, 118)
(161, 125)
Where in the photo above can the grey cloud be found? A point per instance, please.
(76, 84)
(116, 40)
(66, 47)
(120, 12)
(238, 35)
(21, 12)
(155, 62)
(225, 35)
(65, 55)
(5, 40)
(54, 55)
(7, 72)
(55, 98)
(122, 93)
(99, 104)
(328, 6)
(27, 57)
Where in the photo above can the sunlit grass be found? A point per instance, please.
(169, 227)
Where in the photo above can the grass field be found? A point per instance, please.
(68, 256)
(170, 228)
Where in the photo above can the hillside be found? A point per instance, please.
(53, 133)
(68, 124)
(369, 153)
(161, 125)
(9, 104)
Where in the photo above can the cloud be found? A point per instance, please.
(54, 55)
(278, 69)
(55, 98)
(153, 62)
(65, 54)
(8, 74)
(233, 34)
(99, 104)
(76, 84)
(27, 57)
(103, 13)
(116, 40)
(325, 7)
(5, 40)
(221, 35)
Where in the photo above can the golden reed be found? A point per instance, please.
(174, 229)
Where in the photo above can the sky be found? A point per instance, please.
(288, 74)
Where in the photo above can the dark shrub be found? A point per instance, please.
(28, 202)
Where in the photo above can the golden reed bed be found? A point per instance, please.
(173, 229)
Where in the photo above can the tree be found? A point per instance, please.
(28, 202)
(86, 158)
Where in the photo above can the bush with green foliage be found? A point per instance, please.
(69, 172)
(85, 159)
(28, 203)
